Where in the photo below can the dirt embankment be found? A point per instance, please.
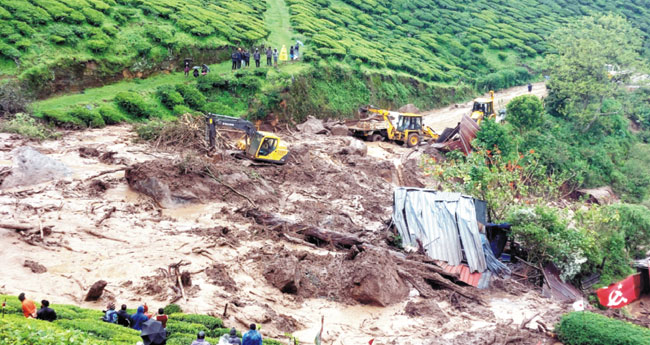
(127, 220)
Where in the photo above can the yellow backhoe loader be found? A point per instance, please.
(256, 145)
(409, 130)
(484, 107)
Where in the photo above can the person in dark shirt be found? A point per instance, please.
(46, 313)
(269, 56)
(256, 57)
(123, 318)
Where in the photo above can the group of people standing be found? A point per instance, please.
(242, 57)
(134, 321)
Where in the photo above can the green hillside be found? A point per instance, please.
(51, 45)
(44, 41)
(444, 40)
(76, 325)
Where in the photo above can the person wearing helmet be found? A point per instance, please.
(200, 339)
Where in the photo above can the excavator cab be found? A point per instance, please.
(257, 145)
(265, 146)
(483, 107)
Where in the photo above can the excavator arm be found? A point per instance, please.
(234, 122)
(428, 131)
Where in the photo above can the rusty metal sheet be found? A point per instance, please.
(559, 290)
(466, 132)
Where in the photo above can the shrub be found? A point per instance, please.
(62, 119)
(208, 321)
(181, 109)
(93, 17)
(13, 99)
(476, 48)
(27, 126)
(495, 137)
(75, 17)
(172, 309)
(586, 328)
(502, 56)
(525, 112)
(193, 97)
(169, 97)
(111, 115)
(133, 104)
(89, 117)
(8, 51)
(97, 46)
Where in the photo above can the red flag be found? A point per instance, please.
(371, 341)
(620, 294)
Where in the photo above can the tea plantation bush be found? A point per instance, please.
(84, 326)
(585, 328)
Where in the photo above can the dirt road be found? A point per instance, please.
(329, 186)
(442, 118)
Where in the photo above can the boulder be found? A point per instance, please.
(354, 146)
(284, 274)
(96, 291)
(374, 286)
(32, 167)
(312, 126)
(339, 130)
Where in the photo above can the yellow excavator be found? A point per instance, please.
(484, 107)
(409, 130)
(257, 145)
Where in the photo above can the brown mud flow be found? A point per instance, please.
(141, 218)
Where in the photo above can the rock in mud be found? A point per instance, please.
(409, 108)
(284, 274)
(96, 291)
(340, 130)
(34, 266)
(32, 167)
(375, 280)
(354, 147)
(312, 126)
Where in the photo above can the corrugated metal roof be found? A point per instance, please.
(445, 223)
(476, 279)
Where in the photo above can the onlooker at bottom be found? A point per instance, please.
(233, 338)
(29, 307)
(162, 317)
(46, 313)
(200, 339)
(252, 337)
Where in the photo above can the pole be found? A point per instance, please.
(4, 304)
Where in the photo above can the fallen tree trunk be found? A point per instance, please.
(17, 227)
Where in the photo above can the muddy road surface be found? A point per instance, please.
(125, 212)
(448, 117)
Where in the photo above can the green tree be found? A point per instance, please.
(592, 59)
(525, 112)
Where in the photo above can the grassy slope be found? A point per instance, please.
(277, 21)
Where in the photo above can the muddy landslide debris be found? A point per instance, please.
(32, 167)
(371, 278)
(35, 267)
